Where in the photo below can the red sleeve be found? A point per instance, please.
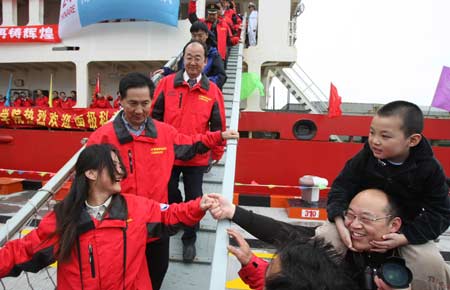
(192, 8)
(34, 251)
(253, 274)
(165, 219)
(188, 213)
(187, 146)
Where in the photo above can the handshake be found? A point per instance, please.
(219, 207)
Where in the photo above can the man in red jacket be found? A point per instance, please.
(220, 29)
(148, 149)
(192, 104)
(69, 101)
(41, 99)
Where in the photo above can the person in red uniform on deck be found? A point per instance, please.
(148, 148)
(69, 101)
(97, 234)
(26, 100)
(101, 102)
(16, 100)
(41, 99)
(56, 100)
(193, 104)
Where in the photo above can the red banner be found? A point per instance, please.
(54, 118)
(34, 33)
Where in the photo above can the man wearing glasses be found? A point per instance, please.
(370, 218)
(192, 104)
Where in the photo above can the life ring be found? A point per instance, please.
(5, 139)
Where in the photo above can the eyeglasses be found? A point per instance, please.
(364, 220)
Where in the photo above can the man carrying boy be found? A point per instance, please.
(398, 160)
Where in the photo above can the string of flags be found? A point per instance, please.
(20, 172)
(254, 183)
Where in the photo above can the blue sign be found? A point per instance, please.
(162, 11)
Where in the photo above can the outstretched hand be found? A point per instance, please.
(230, 134)
(158, 71)
(224, 209)
(242, 251)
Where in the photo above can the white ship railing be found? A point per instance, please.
(220, 255)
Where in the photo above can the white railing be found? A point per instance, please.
(220, 255)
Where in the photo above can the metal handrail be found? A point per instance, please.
(15, 223)
(220, 255)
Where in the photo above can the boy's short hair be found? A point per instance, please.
(410, 114)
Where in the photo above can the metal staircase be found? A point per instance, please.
(301, 86)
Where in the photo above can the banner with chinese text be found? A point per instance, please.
(35, 33)
(76, 14)
(74, 119)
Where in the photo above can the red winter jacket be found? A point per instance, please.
(253, 274)
(68, 103)
(111, 252)
(149, 157)
(56, 103)
(195, 110)
(42, 101)
(17, 102)
(102, 103)
(221, 29)
(27, 102)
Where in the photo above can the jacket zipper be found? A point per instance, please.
(130, 159)
(180, 99)
(91, 260)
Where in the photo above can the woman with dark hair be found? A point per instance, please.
(97, 235)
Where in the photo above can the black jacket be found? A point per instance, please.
(418, 186)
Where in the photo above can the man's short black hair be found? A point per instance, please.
(135, 80)
(199, 26)
(410, 114)
(196, 41)
(310, 264)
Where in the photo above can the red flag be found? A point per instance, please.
(334, 104)
(97, 86)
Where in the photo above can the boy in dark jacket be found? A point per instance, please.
(398, 160)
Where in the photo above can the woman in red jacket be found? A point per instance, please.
(97, 235)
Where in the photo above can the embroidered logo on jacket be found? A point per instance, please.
(158, 150)
(204, 98)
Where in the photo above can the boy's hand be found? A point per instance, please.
(382, 286)
(230, 134)
(224, 210)
(344, 233)
(390, 241)
(242, 251)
